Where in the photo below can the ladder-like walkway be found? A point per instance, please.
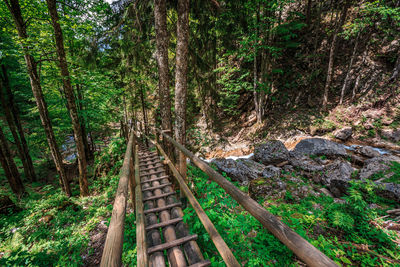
(166, 232)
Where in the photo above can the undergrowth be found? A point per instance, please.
(52, 229)
(342, 231)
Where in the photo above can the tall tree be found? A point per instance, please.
(332, 52)
(182, 29)
(162, 41)
(14, 123)
(9, 166)
(15, 10)
(69, 95)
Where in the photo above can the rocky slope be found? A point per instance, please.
(314, 166)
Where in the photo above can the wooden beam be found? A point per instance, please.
(163, 224)
(154, 179)
(115, 236)
(159, 196)
(175, 243)
(156, 187)
(154, 210)
(141, 247)
(301, 247)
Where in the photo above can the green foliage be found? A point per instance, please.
(344, 226)
(53, 230)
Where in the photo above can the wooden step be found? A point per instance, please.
(201, 264)
(170, 206)
(156, 167)
(147, 174)
(155, 179)
(175, 243)
(163, 224)
(159, 196)
(156, 187)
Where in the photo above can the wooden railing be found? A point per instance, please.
(301, 247)
(112, 252)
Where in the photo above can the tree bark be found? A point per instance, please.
(308, 12)
(17, 121)
(82, 120)
(332, 54)
(160, 16)
(69, 95)
(9, 166)
(181, 80)
(12, 120)
(146, 131)
(15, 10)
(346, 80)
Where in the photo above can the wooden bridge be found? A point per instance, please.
(162, 238)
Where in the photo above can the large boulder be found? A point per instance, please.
(344, 133)
(378, 167)
(337, 176)
(389, 191)
(367, 151)
(305, 163)
(320, 147)
(243, 170)
(272, 152)
(282, 187)
(391, 135)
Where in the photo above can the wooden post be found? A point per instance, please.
(301, 247)
(220, 244)
(140, 224)
(115, 236)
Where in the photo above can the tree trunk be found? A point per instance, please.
(332, 54)
(182, 29)
(160, 16)
(146, 131)
(308, 12)
(30, 173)
(346, 80)
(69, 95)
(9, 166)
(82, 120)
(15, 10)
(11, 120)
(355, 87)
(396, 70)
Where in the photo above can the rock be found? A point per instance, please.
(344, 133)
(272, 152)
(288, 187)
(389, 191)
(377, 166)
(305, 163)
(271, 171)
(326, 192)
(320, 147)
(367, 151)
(373, 113)
(288, 168)
(337, 176)
(244, 170)
(391, 135)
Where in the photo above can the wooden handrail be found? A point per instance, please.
(115, 236)
(301, 247)
(141, 248)
(220, 244)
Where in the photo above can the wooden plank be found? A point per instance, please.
(154, 210)
(156, 167)
(219, 243)
(201, 264)
(301, 247)
(175, 243)
(163, 224)
(153, 173)
(159, 196)
(142, 260)
(156, 187)
(155, 179)
(112, 251)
